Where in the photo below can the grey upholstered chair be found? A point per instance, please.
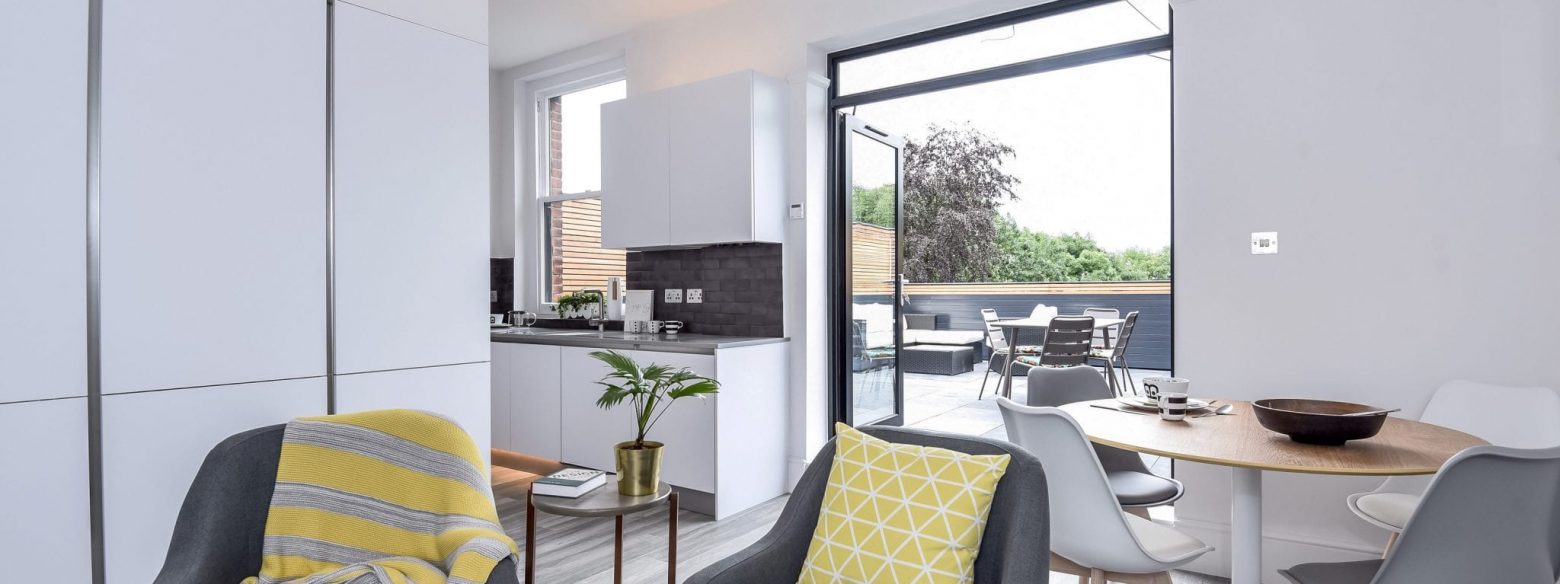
(221, 527)
(1015, 547)
(1134, 485)
(1491, 515)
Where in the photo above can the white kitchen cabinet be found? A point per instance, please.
(590, 433)
(465, 18)
(717, 145)
(526, 402)
(411, 194)
(457, 392)
(45, 531)
(726, 146)
(153, 444)
(635, 183)
(213, 190)
(43, 149)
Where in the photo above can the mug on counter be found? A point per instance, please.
(1154, 386)
(672, 327)
(1172, 405)
(653, 326)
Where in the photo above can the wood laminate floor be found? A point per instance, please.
(574, 550)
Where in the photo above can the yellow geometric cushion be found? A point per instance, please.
(900, 513)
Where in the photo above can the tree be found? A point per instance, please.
(1033, 256)
(954, 188)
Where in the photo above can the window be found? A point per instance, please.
(571, 192)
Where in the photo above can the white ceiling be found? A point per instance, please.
(521, 31)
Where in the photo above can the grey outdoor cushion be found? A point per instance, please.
(220, 530)
(1016, 547)
(1361, 572)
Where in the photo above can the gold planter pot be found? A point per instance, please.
(638, 470)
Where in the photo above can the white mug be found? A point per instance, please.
(1172, 405)
(1154, 386)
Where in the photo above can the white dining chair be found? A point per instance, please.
(1103, 337)
(1491, 515)
(1090, 534)
(1514, 417)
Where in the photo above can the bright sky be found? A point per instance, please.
(1092, 143)
(582, 136)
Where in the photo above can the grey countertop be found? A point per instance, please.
(681, 343)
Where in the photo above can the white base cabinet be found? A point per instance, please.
(730, 445)
(44, 528)
(457, 392)
(525, 378)
(154, 442)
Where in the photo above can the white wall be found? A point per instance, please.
(1408, 153)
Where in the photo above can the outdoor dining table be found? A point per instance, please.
(1403, 447)
(1012, 326)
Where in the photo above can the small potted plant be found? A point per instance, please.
(650, 391)
(578, 305)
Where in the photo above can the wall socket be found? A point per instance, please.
(674, 295)
(695, 296)
(1264, 242)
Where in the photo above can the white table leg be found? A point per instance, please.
(1246, 526)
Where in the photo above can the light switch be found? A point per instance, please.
(674, 295)
(1264, 242)
(798, 211)
(492, 296)
(695, 296)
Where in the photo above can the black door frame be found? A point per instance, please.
(843, 399)
(839, 262)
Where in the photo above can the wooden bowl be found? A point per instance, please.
(1312, 421)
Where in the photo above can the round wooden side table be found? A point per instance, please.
(602, 502)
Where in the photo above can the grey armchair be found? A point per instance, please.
(1015, 547)
(221, 527)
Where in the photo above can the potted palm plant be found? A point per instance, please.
(649, 390)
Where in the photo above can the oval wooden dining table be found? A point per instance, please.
(1403, 447)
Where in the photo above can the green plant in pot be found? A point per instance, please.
(650, 390)
(571, 304)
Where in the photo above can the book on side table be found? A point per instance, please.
(569, 482)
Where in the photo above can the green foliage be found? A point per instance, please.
(1025, 255)
(874, 206)
(954, 188)
(647, 388)
(577, 300)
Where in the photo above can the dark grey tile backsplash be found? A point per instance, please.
(501, 279)
(743, 295)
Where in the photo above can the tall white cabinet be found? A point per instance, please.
(411, 194)
(43, 414)
(43, 201)
(213, 189)
(214, 244)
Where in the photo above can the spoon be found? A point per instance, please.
(1370, 413)
(1223, 410)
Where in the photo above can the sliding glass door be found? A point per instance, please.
(870, 177)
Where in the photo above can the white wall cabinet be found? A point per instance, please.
(153, 444)
(411, 194)
(213, 188)
(43, 491)
(525, 382)
(731, 445)
(635, 182)
(43, 148)
(458, 392)
(717, 145)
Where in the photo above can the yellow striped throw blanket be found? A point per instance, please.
(381, 497)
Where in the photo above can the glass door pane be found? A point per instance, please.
(871, 177)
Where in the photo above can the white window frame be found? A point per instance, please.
(531, 221)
